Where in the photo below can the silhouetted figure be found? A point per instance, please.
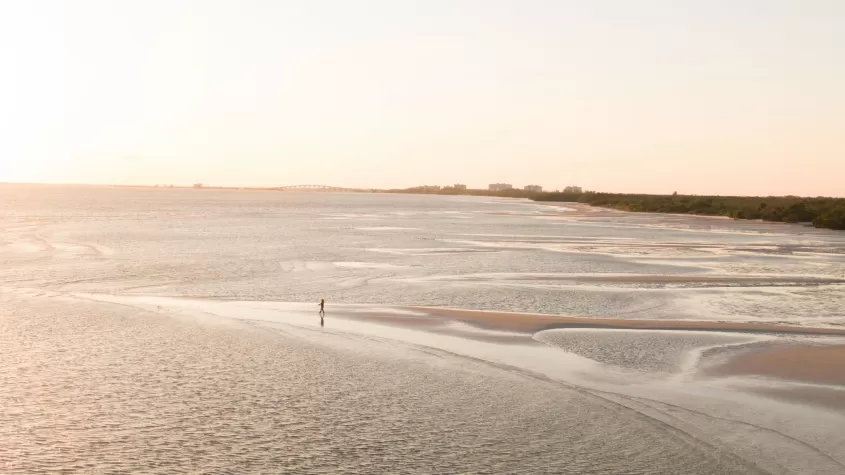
(322, 307)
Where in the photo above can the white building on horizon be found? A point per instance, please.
(500, 186)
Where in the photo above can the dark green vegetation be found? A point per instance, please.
(821, 212)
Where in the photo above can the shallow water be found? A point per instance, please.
(465, 252)
(149, 331)
(647, 351)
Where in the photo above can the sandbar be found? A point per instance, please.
(532, 323)
(807, 363)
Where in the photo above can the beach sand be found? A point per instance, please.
(532, 323)
(803, 363)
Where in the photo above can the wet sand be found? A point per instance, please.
(809, 362)
(828, 398)
(802, 363)
(532, 323)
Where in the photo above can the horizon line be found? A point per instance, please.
(364, 189)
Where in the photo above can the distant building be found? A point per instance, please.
(198, 185)
(533, 188)
(429, 188)
(459, 186)
(573, 189)
(500, 187)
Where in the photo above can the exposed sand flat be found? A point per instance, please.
(804, 363)
(440, 325)
(531, 323)
(405, 321)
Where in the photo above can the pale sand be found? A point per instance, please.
(437, 324)
(804, 363)
(575, 207)
(532, 323)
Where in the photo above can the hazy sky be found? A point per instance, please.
(698, 96)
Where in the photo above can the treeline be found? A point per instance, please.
(821, 212)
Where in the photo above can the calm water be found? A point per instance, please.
(89, 386)
(463, 252)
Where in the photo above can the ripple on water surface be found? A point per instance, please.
(97, 388)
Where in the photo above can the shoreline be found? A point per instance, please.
(803, 371)
(823, 215)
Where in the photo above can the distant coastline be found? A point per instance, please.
(820, 212)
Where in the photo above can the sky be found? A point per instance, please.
(743, 97)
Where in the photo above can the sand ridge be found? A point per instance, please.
(532, 323)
